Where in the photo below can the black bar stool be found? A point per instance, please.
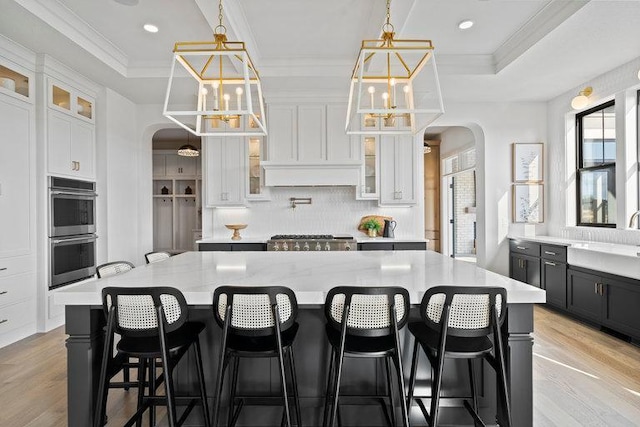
(364, 322)
(457, 322)
(256, 322)
(152, 323)
(107, 270)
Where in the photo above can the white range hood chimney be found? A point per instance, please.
(311, 174)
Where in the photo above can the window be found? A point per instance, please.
(596, 174)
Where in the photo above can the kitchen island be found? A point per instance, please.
(310, 275)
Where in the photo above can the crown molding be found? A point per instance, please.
(466, 64)
(63, 20)
(17, 53)
(546, 20)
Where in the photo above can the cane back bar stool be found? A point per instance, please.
(257, 321)
(113, 268)
(457, 322)
(364, 322)
(152, 323)
(152, 257)
(107, 270)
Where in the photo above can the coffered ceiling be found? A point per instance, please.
(518, 50)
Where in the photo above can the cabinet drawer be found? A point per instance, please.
(15, 265)
(382, 246)
(16, 315)
(524, 247)
(554, 253)
(16, 288)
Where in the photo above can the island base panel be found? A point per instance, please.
(260, 378)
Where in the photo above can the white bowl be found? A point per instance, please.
(8, 83)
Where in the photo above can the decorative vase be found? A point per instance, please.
(372, 232)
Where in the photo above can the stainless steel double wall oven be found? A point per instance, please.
(72, 228)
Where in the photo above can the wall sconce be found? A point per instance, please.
(582, 100)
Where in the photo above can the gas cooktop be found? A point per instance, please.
(311, 242)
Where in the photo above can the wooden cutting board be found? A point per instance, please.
(378, 218)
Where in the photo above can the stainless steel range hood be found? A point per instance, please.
(311, 174)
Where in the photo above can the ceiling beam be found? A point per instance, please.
(539, 26)
(63, 20)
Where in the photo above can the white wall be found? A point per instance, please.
(118, 178)
(495, 126)
(334, 210)
(622, 85)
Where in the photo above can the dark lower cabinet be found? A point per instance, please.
(583, 295)
(609, 300)
(235, 247)
(525, 269)
(392, 246)
(621, 305)
(554, 280)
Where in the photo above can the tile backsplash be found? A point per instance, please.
(334, 210)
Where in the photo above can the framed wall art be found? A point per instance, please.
(528, 162)
(528, 203)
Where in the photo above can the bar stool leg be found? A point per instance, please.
(203, 391)
(390, 392)
(235, 363)
(412, 378)
(219, 384)
(283, 378)
(294, 379)
(336, 388)
(142, 372)
(152, 365)
(327, 394)
(472, 383)
(499, 351)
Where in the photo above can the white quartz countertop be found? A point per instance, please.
(613, 258)
(310, 274)
(360, 238)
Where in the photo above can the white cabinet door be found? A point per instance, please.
(225, 171)
(82, 148)
(340, 146)
(15, 176)
(159, 165)
(71, 146)
(59, 144)
(283, 133)
(397, 170)
(312, 136)
(180, 165)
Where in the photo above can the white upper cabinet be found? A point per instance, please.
(71, 146)
(70, 131)
(225, 167)
(283, 133)
(398, 166)
(312, 133)
(17, 130)
(340, 146)
(181, 166)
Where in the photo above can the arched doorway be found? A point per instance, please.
(176, 191)
(450, 191)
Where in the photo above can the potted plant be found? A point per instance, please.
(372, 227)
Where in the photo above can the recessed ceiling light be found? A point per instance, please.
(466, 24)
(150, 28)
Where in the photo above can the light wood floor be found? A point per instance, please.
(581, 377)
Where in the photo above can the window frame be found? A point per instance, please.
(600, 167)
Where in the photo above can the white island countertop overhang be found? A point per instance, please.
(311, 275)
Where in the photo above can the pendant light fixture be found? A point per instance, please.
(394, 85)
(223, 95)
(188, 150)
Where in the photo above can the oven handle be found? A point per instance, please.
(74, 193)
(74, 239)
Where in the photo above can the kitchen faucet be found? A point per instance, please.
(633, 217)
